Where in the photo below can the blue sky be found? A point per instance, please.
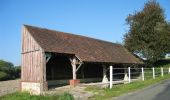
(102, 19)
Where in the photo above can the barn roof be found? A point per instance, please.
(86, 48)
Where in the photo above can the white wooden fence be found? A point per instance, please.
(141, 74)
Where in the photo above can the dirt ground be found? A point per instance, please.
(10, 86)
(78, 92)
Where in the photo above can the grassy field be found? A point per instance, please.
(27, 96)
(103, 94)
(149, 72)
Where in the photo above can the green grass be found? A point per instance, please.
(148, 72)
(27, 96)
(105, 94)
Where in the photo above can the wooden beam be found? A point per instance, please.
(79, 66)
(75, 61)
(48, 56)
(80, 61)
(30, 51)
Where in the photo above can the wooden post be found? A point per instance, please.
(129, 74)
(74, 81)
(74, 68)
(143, 77)
(45, 83)
(111, 77)
(126, 78)
(105, 80)
(104, 70)
(153, 72)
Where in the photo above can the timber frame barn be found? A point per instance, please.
(52, 58)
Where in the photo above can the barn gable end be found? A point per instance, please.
(32, 77)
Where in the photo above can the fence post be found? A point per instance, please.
(111, 77)
(162, 72)
(153, 70)
(143, 78)
(169, 71)
(129, 74)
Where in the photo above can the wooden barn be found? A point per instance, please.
(52, 58)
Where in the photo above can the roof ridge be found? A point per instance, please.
(71, 34)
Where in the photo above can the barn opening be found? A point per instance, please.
(59, 71)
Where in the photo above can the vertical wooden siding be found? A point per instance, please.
(32, 59)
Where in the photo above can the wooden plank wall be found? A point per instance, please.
(32, 59)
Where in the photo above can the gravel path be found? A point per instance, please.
(10, 86)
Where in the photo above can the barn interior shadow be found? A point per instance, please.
(59, 71)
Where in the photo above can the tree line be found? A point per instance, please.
(8, 71)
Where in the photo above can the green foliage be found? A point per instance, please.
(3, 76)
(27, 96)
(149, 33)
(66, 96)
(5, 66)
(9, 71)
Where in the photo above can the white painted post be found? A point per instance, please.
(129, 74)
(73, 63)
(143, 78)
(111, 77)
(169, 71)
(153, 71)
(162, 72)
(74, 72)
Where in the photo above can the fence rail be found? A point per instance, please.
(133, 74)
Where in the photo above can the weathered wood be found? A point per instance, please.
(75, 61)
(73, 64)
(48, 56)
(74, 69)
(79, 66)
(32, 59)
(104, 74)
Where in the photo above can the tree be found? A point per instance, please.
(6, 66)
(9, 71)
(17, 71)
(149, 33)
(3, 76)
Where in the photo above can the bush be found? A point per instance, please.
(66, 96)
(9, 71)
(3, 76)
